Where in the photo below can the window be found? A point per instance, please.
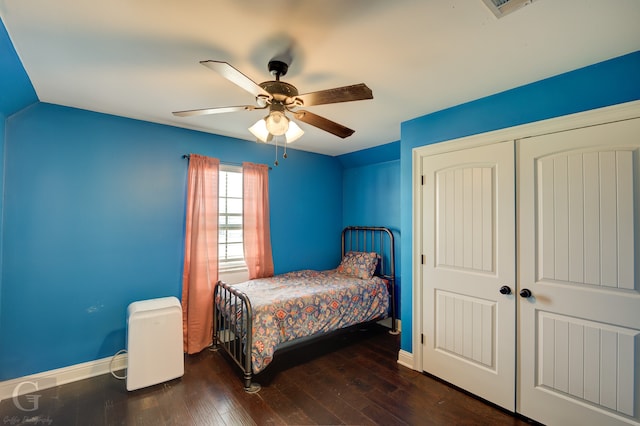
(230, 242)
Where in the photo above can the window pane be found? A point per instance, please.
(234, 220)
(234, 236)
(229, 220)
(234, 205)
(235, 251)
(222, 184)
(230, 235)
(234, 185)
(223, 254)
(232, 251)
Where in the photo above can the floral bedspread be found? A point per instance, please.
(303, 303)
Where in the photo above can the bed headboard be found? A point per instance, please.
(380, 240)
(372, 239)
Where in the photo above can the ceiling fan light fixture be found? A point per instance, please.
(294, 133)
(259, 130)
(277, 123)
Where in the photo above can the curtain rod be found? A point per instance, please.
(187, 156)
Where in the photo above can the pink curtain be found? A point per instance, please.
(255, 218)
(200, 273)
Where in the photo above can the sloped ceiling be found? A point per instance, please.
(140, 58)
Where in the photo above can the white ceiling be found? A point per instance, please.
(140, 58)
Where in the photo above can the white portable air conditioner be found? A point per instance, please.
(154, 342)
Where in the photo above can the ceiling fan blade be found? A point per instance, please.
(236, 77)
(220, 110)
(323, 123)
(356, 92)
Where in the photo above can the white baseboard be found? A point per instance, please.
(48, 379)
(406, 358)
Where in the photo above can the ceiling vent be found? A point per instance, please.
(504, 7)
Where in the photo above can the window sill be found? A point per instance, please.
(234, 275)
(232, 269)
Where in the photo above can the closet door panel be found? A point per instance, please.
(469, 243)
(578, 352)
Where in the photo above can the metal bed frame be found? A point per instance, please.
(234, 333)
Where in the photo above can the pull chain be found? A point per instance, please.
(284, 155)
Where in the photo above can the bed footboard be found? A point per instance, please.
(232, 329)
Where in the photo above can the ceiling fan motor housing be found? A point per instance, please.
(280, 90)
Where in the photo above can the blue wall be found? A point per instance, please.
(603, 84)
(371, 193)
(377, 154)
(94, 219)
(2, 119)
(16, 91)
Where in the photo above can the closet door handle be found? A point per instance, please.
(505, 289)
(525, 292)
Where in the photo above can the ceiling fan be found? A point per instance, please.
(280, 97)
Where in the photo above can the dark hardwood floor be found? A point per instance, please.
(349, 378)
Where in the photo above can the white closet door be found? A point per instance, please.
(578, 226)
(469, 244)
